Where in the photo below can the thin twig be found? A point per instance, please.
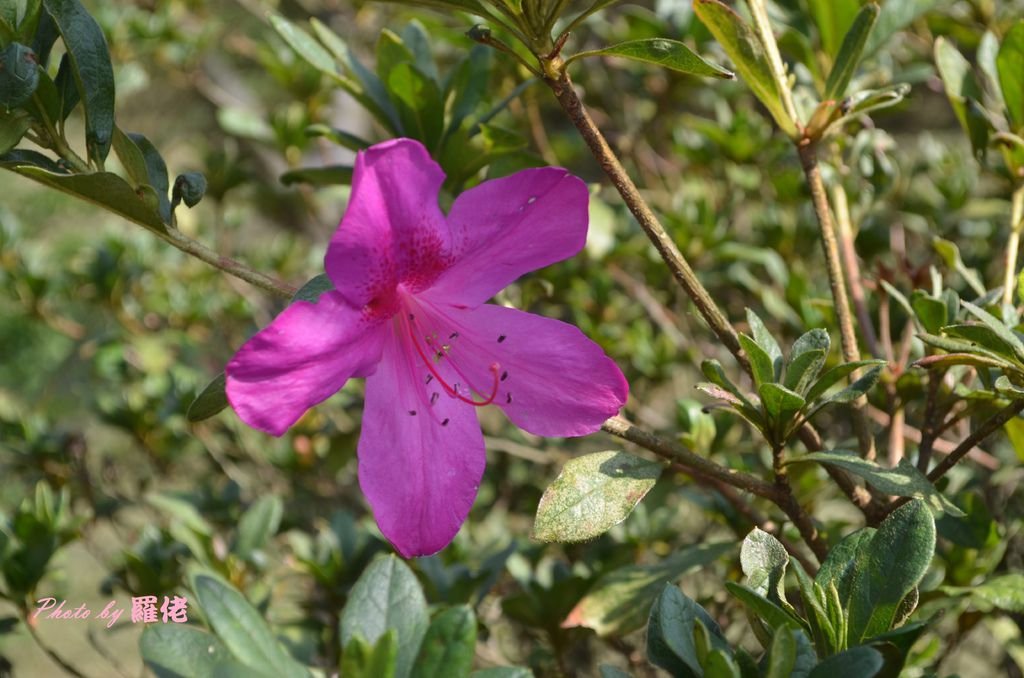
(674, 452)
(939, 445)
(572, 105)
(1016, 225)
(932, 421)
(56, 658)
(991, 425)
(830, 245)
(852, 268)
(196, 249)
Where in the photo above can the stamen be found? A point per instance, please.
(495, 370)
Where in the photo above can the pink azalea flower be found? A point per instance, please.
(408, 314)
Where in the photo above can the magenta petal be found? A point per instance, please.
(393, 230)
(551, 379)
(505, 228)
(420, 462)
(299, 360)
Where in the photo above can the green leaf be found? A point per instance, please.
(449, 646)
(670, 54)
(823, 626)
(387, 596)
(90, 62)
(950, 254)
(609, 671)
(468, 85)
(180, 651)
(720, 664)
(832, 376)
(782, 653)
(620, 601)
(833, 18)
(760, 362)
(851, 51)
(340, 137)
(905, 480)
(303, 44)
(998, 327)
(767, 342)
(67, 88)
(762, 610)
(763, 560)
(144, 165)
(241, 628)
(865, 101)
(961, 88)
(1005, 592)
(712, 369)
(781, 404)
(1010, 65)
(894, 17)
(803, 369)
(211, 401)
(857, 662)
(418, 100)
(747, 53)
(932, 312)
(13, 125)
(257, 525)
(182, 511)
(591, 494)
(898, 557)
(670, 633)
(331, 175)
(361, 660)
(313, 288)
(100, 188)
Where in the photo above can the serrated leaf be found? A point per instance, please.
(591, 494)
(620, 601)
(897, 558)
(211, 401)
(257, 525)
(449, 645)
(94, 75)
(241, 628)
(905, 480)
(670, 633)
(1010, 66)
(387, 596)
(670, 54)
(180, 651)
(850, 52)
(748, 56)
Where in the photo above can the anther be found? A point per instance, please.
(434, 396)
(455, 391)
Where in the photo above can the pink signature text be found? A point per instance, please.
(145, 609)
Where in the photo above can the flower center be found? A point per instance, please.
(438, 351)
